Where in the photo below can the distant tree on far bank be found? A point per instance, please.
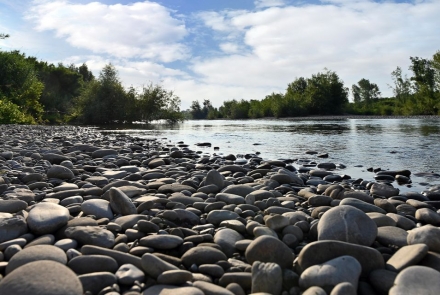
(3, 36)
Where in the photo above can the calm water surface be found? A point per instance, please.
(391, 144)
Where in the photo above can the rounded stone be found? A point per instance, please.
(428, 235)
(36, 253)
(416, 280)
(174, 277)
(61, 172)
(329, 274)
(91, 235)
(46, 218)
(92, 263)
(348, 224)
(172, 290)
(202, 255)
(154, 266)
(269, 249)
(127, 274)
(391, 236)
(162, 242)
(41, 277)
(97, 207)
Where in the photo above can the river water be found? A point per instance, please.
(389, 144)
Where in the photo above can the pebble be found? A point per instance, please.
(42, 277)
(126, 215)
(416, 280)
(347, 224)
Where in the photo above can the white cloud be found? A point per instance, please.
(357, 39)
(142, 29)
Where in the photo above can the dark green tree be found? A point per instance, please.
(365, 91)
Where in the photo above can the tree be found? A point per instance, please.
(3, 36)
(424, 84)
(365, 91)
(19, 84)
(196, 110)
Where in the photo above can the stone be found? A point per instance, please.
(344, 288)
(91, 235)
(92, 263)
(402, 221)
(428, 235)
(100, 153)
(202, 255)
(36, 253)
(230, 198)
(416, 280)
(120, 202)
(46, 218)
(128, 274)
(361, 205)
(267, 277)
(315, 290)
(120, 257)
(238, 189)
(381, 219)
(60, 172)
(41, 277)
(348, 224)
(97, 207)
(174, 277)
(277, 222)
(12, 227)
(391, 236)
(321, 251)
(217, 216)
(427, 216)
(175, 188)
(214, 177)
(244, 279)
(226, 239)
(161, 242)
(172, 290)
(209, 288)
(269, 249)
(12, 206)
(382, 280)
(407, 256)
(154, 266)
(96, 281)
(383, 190)
(329, 274)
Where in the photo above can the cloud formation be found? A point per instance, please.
(139, 30)
(244, 53)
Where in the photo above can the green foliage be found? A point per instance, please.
(11, 114)
(19, 84)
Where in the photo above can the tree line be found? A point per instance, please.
(35, 92)
(324, 93)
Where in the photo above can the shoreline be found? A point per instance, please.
(127, 215)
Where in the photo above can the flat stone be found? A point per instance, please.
(416, 280)
(202, 255)
(329, 274)
(174, 188)
(347, 224)
(381, 219)
(344, 288)
(391, 236)
(12, 206)
(269, 249)
(174, 277)
(427, 216)
(36, 253)
(238, 189)
(92, 263)
(217, 216)
(161, 242)
(96, 281)
(91, 235)
(383, 190)
(209, 288)
(120, 257)
(46, 218)
(244, 279)
(361, 205)
(154, 266)
(230, 198)
(321, 251)
(406, 256)
(402, 221)
(172, 290)
(428, 235)
(41, 277)
(100, 153)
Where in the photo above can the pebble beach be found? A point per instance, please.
(84, 213)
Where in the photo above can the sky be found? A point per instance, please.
(226, 49)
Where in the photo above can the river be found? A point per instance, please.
(389, 144)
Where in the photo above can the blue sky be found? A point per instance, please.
(226, 49)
